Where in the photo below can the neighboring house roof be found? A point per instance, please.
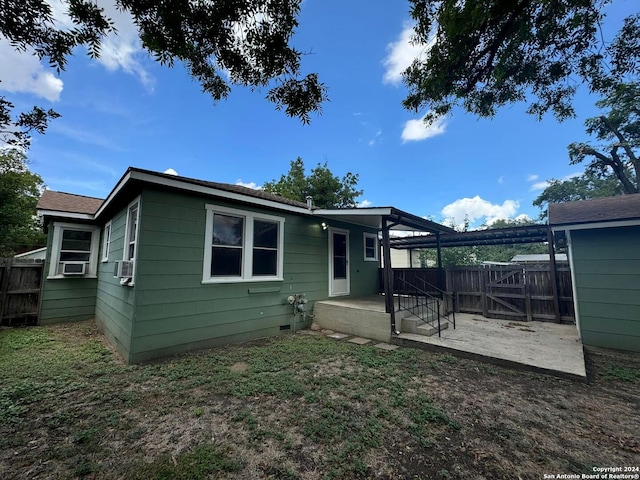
(538, 258)
(53, 201)
(606, 209)
(38, 253)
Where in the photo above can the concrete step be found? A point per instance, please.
(413, 324)
(428, 331)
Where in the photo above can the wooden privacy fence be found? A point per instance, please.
(20, 282)
(512, 292)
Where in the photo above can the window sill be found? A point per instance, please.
(61, 277)
(214, 281)
(370, 259)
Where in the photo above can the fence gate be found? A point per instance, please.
(20, 282)
(505, 294)
(512, 292)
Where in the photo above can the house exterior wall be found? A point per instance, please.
(175, 311)
(606, 266)
(65, 299)
(115, 303)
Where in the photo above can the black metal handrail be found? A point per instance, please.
(413, 303)
(443, 293)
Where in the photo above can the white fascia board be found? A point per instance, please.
(354, 211)
(120, 185)
(594, 225)
(179, 184)
(58, 213)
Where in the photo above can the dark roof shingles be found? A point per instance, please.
(606, 209)
(68, 202)
(227, 187)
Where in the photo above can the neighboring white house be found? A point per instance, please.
(38, 254)
(538, 258)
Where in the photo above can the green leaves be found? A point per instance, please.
(222, 44)
(489, 53)
(327, 190)
(19, 194)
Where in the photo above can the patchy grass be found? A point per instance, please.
(300, 407)
(625, 374)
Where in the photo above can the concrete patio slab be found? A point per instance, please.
(538, 346)
(359, 340)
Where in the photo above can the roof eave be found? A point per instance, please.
(150, 178)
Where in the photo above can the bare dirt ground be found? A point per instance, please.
(303, 407)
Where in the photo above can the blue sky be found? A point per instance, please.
(127, 110)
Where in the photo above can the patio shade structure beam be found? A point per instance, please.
(388, 275)
(497, 236)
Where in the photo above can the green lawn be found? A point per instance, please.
(301, 407)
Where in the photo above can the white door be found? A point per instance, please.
(338, 262)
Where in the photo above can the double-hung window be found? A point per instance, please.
(371, 247)
(242, 246)
(131, 240)
(132, 232)
(74, 250)
(106, 241)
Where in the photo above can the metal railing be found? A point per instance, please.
(420, 304)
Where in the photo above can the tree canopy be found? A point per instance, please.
(484, 54)
(327, 190)
(612, 161)
(617, 132)
(246, 43)
(583, 187)
(20, 190)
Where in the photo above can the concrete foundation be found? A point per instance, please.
(362, 317)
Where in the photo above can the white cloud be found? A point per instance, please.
(123, 49)
(539, 186)
(542, 185)
(532, 178)
(119, 51)
(170, 171)
(416, 130)
(477, 208)
(373, 141)
(400, 55)
(501, 180)
(26, 74)
(252, 185)
(365, 204)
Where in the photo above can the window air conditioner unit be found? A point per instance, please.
(123, 270)
(74, 268)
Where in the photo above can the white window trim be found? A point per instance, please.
(106, 242)
(247, 246)
(376, 246)
(56, 245)
(125, 249)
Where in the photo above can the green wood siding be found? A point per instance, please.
(65, 299)
(175, 312)
(115, 303)
(606, 266)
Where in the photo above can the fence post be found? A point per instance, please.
(4, 287)
(553, 274)
(484, 285)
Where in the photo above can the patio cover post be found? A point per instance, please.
(553, 275)
(442, 285)
(387, 276)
